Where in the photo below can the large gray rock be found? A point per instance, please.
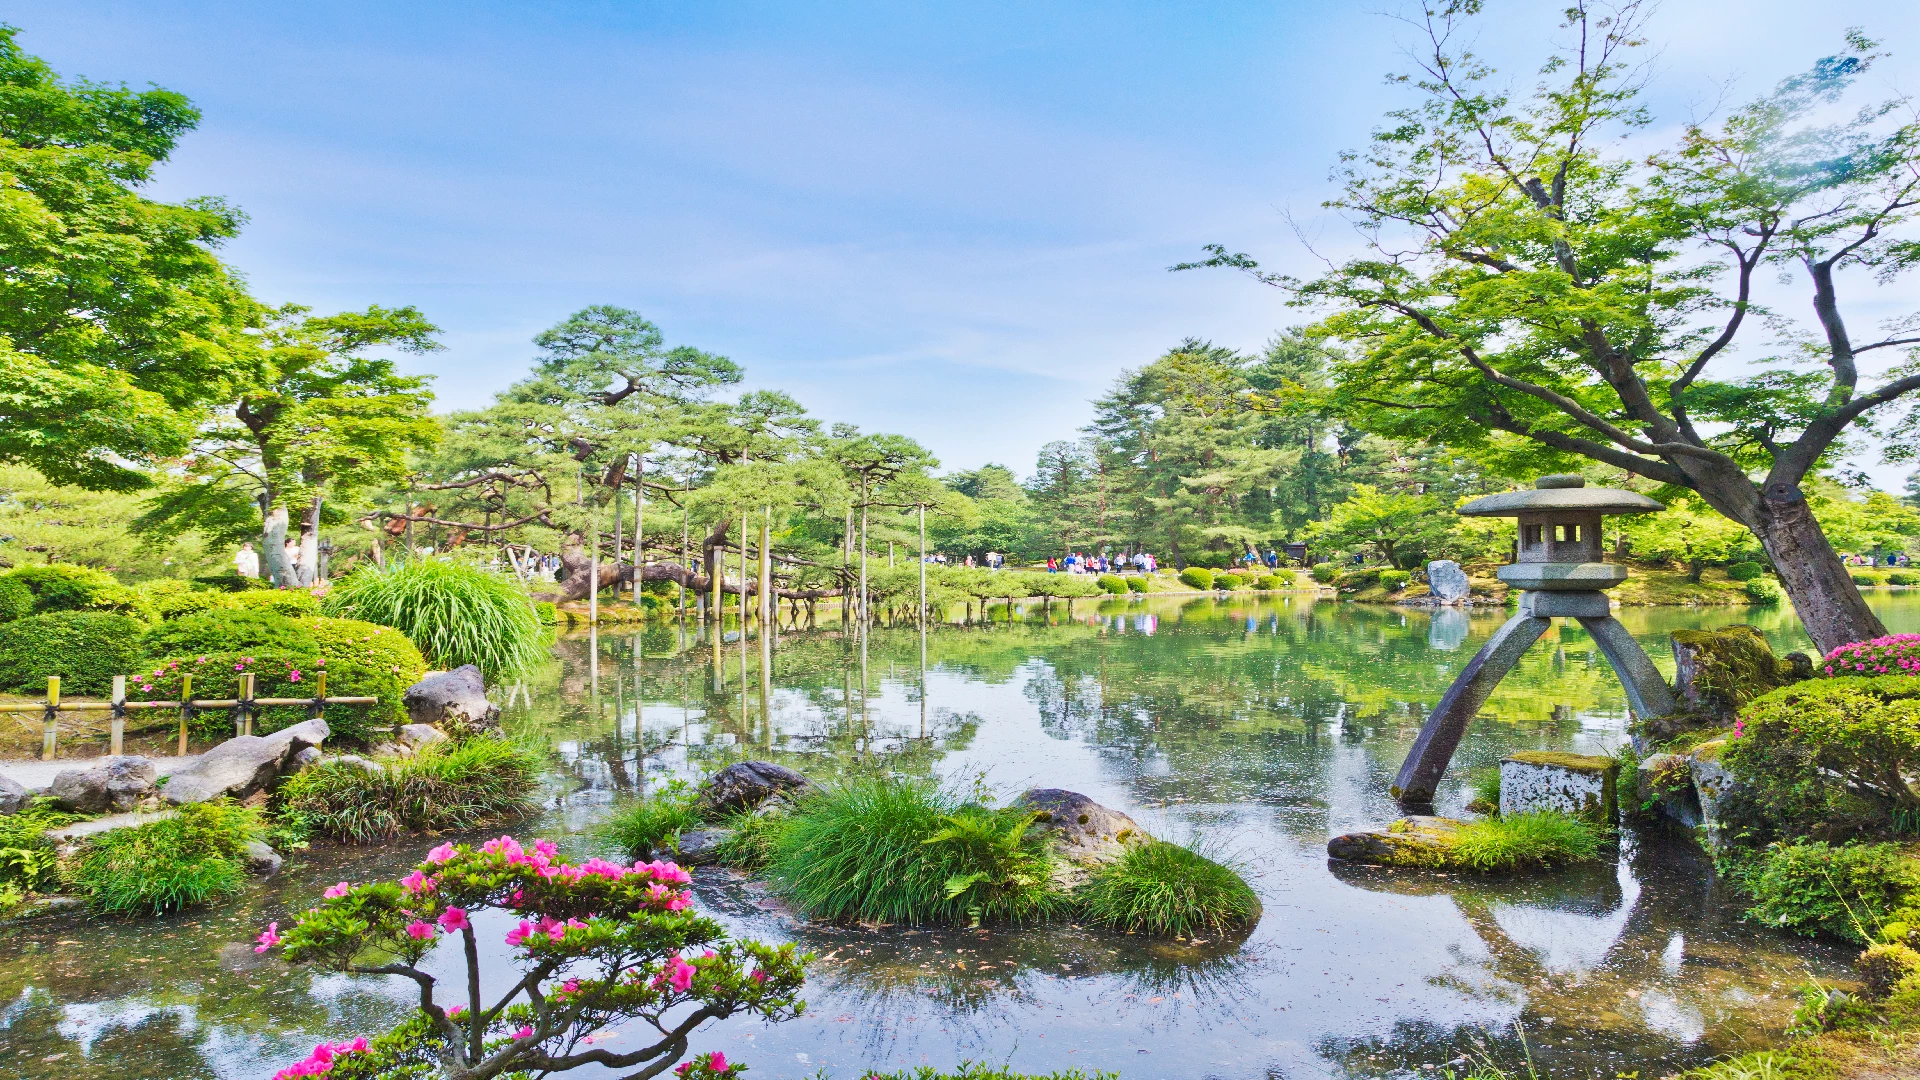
(238, 767)
(301, 736)
(1083, 830)
(747, 784)
(419, 735)
(13, 797)
(454, 701)
(119, 784)
(1447, 582)
(304, 760)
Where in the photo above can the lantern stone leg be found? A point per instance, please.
(1440, 736)
(1647, 692)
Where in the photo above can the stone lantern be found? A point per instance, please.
(1559, 565)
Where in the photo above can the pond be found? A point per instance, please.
(1257, 727)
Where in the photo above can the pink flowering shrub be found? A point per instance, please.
(1828, 758)
(1895, 654)
(598, 944)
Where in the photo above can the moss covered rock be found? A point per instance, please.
(1718, 671)
(1420, 841)
(1584, 785)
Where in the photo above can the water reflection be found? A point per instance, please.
(1261, 725)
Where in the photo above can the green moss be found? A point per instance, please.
(1587, 763)
(1734, 664)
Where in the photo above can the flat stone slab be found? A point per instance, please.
(1418, 841)
(35, 775)
(96, 826)
(1583, 785)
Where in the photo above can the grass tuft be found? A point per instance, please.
(889, 850)
(1164, 889)
(193, 855)
(651, 826)
(446, 786)
(1519, 840)
(457, 613)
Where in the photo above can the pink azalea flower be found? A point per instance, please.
(519, 934)
(571, 986)
(337, 891)
(419, 931)
(269, 939)
(417, 882)
(455, 1010)
(453, 919)
(440, 854)
(293, 676)
(524, 1033)
(546, 847)
(717, 1061)
(758, 976)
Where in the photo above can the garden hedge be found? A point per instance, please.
(85, 648)
(1824, 759)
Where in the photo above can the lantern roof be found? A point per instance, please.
(1561, 492)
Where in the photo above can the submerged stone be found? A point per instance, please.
(700, 847)
(1417, 841)
(1583, 785)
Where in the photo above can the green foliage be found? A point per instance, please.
(1405, 529)
(65, 587)
(1325, 572)
(1765, 592)
(16, 600)
(862, 851)
(365, 659)
(1884, 966)
(1848, 891)
(1197, 577)
(1113, 583)
(1136, 583)
(1868, 578)
(228, 629)
(1826, 758)
(755, 839)
(1484, 786)
(1395, 580)
(650, 827)
(27, 857)
(447, 786)
(1230, 582)
(1745, 571)
(546, 613)
(85, 648)
(1734, 664)
(1903, 577)
(1160, 888)
(1516, 841)
(195, 854)
(1270, 582)
(118, 326)
(457, 613)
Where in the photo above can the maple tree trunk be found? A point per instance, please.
(1829, 604)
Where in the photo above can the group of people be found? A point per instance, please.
(1077, 563)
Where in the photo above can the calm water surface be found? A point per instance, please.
(1257, 727)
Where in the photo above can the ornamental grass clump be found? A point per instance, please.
(1518, 841)
(889, 850)
(457, 613)
(651, 825)
(193, 855)
(1160, 888)
(597, 948)
(446, 786)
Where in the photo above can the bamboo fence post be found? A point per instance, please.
(117, 727)
(53, 717)
(243, 706)
(317, 709)
(186, 710)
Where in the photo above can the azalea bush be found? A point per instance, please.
(1895, 654)
(1829, 758)
(598, 945)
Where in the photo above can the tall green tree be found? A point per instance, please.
(1530, 273)
(119, 326)
(324, 421)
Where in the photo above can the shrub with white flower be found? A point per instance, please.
(598, 944)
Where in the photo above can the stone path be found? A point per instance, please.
(35, 774)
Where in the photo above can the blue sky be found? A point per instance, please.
(947, 220)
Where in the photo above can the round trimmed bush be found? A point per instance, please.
(65, 587)
(1231, 582)
(85, 648)
(1270, 583)
(367, 660)
(1113, 584)
(1197, 577)
(283, 601)
(1764, 591)
(225, 630)
(1136, 583)
(1325, 572)
(1745, 571)
(1395, 580)
(1903, 577)
(1869, 578)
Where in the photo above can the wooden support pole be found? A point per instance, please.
(243, 706)
(53, 717)
(186, 710)
(318, 708)
(117, 726)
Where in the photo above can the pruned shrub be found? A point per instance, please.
(1231, 581)
(27, 857)
(225, 630)
(1395, 580)
(366, 659)
(1846, 891)
(85, 648)
(65, 587)
(1197, 577)
(1745, 571)
(1868, 578)
(1325, 572)
(457, 613)
(906, 851)
(447, 786)
(1136, 583)
(1903, 577)
(1826, 758)
(195, 854)
(1894, 654)
(1765, 592)
(1885, 966)
(1113, 584)
(1270, 582)
(16, 600)
(1167, 890)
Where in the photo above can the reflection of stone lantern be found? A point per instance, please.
(1559, 565)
